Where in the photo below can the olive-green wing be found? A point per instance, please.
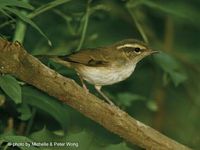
(95, 58)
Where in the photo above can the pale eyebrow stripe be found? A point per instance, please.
(130, 45)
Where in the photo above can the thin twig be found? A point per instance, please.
(30, 123)
(85, 25)
(138, 25)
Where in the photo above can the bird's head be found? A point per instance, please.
(133, 50)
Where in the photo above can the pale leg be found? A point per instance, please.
(98, 88)
(83, 84)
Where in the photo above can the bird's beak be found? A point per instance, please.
(154, 52)
(150, 52)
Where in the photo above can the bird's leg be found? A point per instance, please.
(98, 88)
(83, 84)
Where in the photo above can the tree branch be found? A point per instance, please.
(16, 61)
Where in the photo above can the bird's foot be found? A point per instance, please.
(85, 88)
(98, 88)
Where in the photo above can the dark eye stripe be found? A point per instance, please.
(128, 49)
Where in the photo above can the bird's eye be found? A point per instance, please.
(137, 50)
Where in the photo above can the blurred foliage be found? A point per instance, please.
(163, 92)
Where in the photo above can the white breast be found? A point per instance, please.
(103, 76)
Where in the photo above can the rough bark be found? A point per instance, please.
(16, 61)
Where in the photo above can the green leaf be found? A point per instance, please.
(83, 139)
(15, 3)
(171, 67)
(151, 105)
(11, 87)
(2, 99)
(20, 140)
(27, 20)
(178, 77)
(6, 14)
(47, 6)
(165, 8)
(25, 112)
(46, 103)
(120, 146)
(175, 9)
(47, 136)
(127, 99)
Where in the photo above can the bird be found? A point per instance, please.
(106, 65)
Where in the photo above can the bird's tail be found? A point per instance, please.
(55, 59)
